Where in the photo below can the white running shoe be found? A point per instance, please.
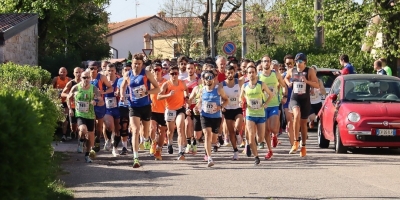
(210, 162)
(87, 159)
(107, 145)
(80, 147)
(115, 152)
(235, 155)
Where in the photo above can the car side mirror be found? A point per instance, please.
(332, 97)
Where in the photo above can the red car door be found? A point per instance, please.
(329, 109)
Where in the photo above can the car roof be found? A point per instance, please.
(326, 70)
(369, 76)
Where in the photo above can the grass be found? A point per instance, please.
(57, 189)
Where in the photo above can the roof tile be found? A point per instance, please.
(8, 21)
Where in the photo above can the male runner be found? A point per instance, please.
(191, 81)
(182, 62)
(85, 97)
(174, 91)
(59, 83)
(254, 94)
(210, 106)
(139, 80)
(303, 79)
(289, 63)
(124, 105)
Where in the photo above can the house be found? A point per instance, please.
(19, 38)
(127, 36)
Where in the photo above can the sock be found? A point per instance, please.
(180, 148)
(303, 145)
(237, 132)
(108, 133)
(135, 154)
(235, 150)
(194, 142)
(169, 142)
(87, 154)
(117, 139)
(189, 140)
(298, 139)
(146, 139)
(125, 144)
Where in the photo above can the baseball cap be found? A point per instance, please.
(300, 56)
(93, 63)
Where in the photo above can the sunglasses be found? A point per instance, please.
(92, 68)
(208, 77)
(157, 69)
(299, 61)
(85, 77)
(173, 73)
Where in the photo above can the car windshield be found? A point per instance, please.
(327, 78)
(372, 90)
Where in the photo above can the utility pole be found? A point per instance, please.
(211, 29)
(319, 31)
(136, 5)
(244, 43)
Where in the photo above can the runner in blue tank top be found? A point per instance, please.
(210, 106)
(138, 81)
(100, 82)
(289, 62)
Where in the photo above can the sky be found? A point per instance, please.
(125, 9)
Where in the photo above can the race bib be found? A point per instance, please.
(233, 102)
(209, 107)
(111, 102)
(255, 104)
(139, 91)
(170, 115)
(299, 87)
(82, 106)
(316, 95)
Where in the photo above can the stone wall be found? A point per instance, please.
(22, 48)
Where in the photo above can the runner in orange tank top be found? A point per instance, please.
(174, 91)
(59, 84)
(157, 115)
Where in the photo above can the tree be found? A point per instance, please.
(129, 55)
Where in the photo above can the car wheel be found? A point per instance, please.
(339, 148)
(322, 141)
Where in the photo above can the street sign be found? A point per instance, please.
(229, 48)
(147, 52)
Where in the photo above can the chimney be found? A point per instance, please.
(146, 40)
(161, 14)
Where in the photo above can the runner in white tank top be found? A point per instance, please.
(316, 100)
(233, 111)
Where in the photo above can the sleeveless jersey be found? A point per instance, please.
(124, 102)
(177, 100)
(272, 82)
(190, 85)
(316, 97)
(233, 94)
(110, 99)
(301, 90)
(61, 85)
(97, 82)
(209, 103)
(158, 106)
(255, 99)
(136, 84)
(73, 83)
(83, 105)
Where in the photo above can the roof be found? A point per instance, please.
(121, 26)
(117, 60)
(369, 76)
(13, 23)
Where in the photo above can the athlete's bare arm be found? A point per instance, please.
(162, 95)
(223, 95)
(242, 93)
(124, 85)
(322, 89)
(193, 94)
(97, 95)
(282, 83)
(269, 93)
(110, 88)
(66, 90)
(241, 82)
(156, 88)
(54, 82)
(71, 96)
(313, 80)
(288, 76)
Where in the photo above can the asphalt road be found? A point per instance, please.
(362, 174)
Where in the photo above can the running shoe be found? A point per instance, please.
(80, 147)
(170, 149)
(235, 155)
(239, 139)
(115, 152)
(124, 151)
(256, 161)
(63, 138)
(194, 151)
(303, 151)
(107, 145)
(269, 155)
(153, 147)
(274, 140)
(295, 147)
(147, 145)
(141, 146)
(92, 154)
(96, 147)
(189, 148)
(157, 154)
(248, 151)
(181, 156)
(261, 145)
(210, 162)
(87, 159)
(136, 163)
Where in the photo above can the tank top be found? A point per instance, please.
(197, 98)
(83, 106)
(301, 90)
(272, 82)
(209, 103)
(177, 100)
(136, 84)
(255, 99)
(110, 99)
(124, 102)
(97, 82)
(61, 85)
(73, 82)
(190, 85)
(158, 106)
(233, 94)
(316, 97)
(290, 89)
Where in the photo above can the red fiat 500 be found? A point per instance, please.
(361, 110)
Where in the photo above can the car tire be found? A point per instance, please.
(322, 141)
(339, 148)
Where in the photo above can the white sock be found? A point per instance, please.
(125, 144)
(169, 142)
(135, 154)
(180, 148)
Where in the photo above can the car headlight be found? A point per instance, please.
(350, 127)
(353, 117)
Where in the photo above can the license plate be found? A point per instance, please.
(385, 132)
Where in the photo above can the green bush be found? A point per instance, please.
(11, 73)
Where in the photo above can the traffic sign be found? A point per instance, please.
(147, 52)
(229, 48)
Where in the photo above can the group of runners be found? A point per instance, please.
(235, 104)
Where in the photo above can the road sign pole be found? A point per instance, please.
(244, 43)
(211, 30)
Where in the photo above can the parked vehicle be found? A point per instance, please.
(327, 77)
(361, 110)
